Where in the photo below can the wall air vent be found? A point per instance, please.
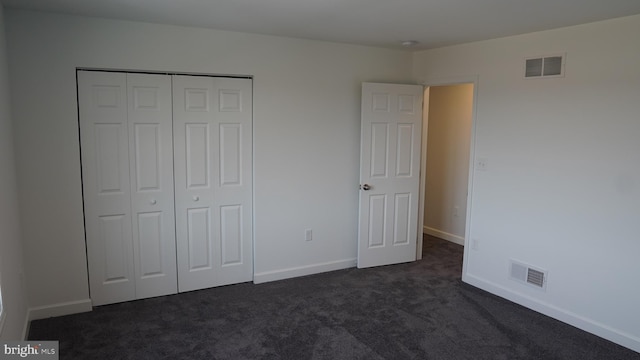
(544, 67)
(535, 277)
(528, 275)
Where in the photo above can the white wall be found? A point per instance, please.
(561, 190)
(449, 131)
(306, 137)
(11, 267)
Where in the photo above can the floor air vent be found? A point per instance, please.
(528, 275)
(548, 66)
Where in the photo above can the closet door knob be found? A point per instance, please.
(196, 198)
(152, 201)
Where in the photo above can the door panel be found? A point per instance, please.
(147, 156)
(231, 234)
(150, 239)
(127, 167)
(106, 187)
(230, 154)
(234, 188)
(197, 147)
(116, 250)
(109, 158)
(199, 239)
(212, 139)
(390, 167)
(402, 219)
(379, 149)
(377, 215)
(151, 167)
(192, 129)
(404, 162)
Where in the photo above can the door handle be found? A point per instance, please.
(365, 187)
(196, 198)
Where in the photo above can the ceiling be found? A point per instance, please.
(384, 23)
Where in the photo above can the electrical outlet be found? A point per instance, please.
(308, 235)
(456, 211)
(475, 244)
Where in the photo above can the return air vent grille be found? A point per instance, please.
(535, 277)
(528, 275)
(549, 66)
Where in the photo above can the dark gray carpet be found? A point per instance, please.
(419, 310)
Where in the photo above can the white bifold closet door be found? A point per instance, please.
(127, 169)
(146, 235)
(213, 182)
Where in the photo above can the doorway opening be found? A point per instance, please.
(447, 153)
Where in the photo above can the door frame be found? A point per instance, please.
(444, 81)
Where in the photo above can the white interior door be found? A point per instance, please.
(213, 155)
(151, 168)
(105, 178)
(127, 168)
(389, 173)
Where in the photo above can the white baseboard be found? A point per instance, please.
(274, 275)
(60, 309)
(619, 337)
(444, 235)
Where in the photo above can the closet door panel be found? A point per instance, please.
(199, 239)
(106, 187)
(194, 171)
(233, 119)
(151, 169)
(231, 230)
(212, 139)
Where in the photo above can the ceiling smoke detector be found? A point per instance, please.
(409, 43)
